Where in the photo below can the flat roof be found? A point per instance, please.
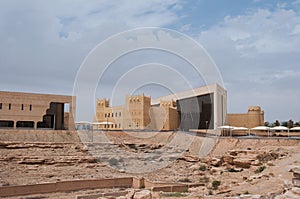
(203, 90)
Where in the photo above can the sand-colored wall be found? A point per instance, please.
(136, 114)
(17, 106)
(26, 135)
(254, 117)
(65, 186)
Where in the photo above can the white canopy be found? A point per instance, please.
(226, 127)
(261, 128)
(240, 129)
(297, 128)
(280, 128)
(83, 122)
(103, 123)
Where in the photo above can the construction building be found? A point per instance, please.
(36, 111)
(254, 117)
(199, 108)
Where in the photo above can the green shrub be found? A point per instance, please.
(260, 169)
(113, 162)
(202, 168)
(185, 180)
(216, 184)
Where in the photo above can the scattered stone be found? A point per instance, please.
(216, 162)
(242, 163)
(256, 163)
(144, 194)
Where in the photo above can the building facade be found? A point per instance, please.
(36, 111)
(200, 108)
(254, 117)
(136, 114)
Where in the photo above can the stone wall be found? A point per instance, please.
(24, 135)
(254, 117)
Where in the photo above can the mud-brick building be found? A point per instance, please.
(254, 117)
(37, 111)
(136, 114)
(200, 108)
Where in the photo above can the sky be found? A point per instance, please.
(254, 43)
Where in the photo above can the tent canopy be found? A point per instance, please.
(240, 129)
(261, 128)
(103, 123)
(226, 127)
(297, 128)
(82, 122)
(281, 128)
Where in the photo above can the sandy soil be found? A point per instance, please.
(37, 162)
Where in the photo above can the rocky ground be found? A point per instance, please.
(234, 168)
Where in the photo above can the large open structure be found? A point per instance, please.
(31, 110)
(200, 108)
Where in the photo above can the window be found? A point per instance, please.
(22, 107)
(0, 105)
(30, 107)
(67, 107)
(9, 106)
(112, 114)
(120, 114)
(105, 115)
(108, 114)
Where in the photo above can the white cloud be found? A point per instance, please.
(42, 40)
(258, 55)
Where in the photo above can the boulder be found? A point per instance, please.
(256, 163)
(228, 159)
(216, 162)
(144, 194)
(242, 163)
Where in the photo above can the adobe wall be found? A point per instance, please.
(254, 117)
(24, 135)
(75, 185)
(65, 186)
(18, 106)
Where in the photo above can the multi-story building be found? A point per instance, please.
(36, 111)
(254, 117)
(200, 108)
(137, 113)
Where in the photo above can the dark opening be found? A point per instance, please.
(25, 124)
(9, 106)
(196, 112)
(54, 117)
(6, 124)
(0, 105)
(30, 107)
(22, 107)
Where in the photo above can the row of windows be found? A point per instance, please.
(22, 106)
(112, 125)
(134, 100)
(112, 114)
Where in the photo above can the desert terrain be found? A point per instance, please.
(218, 167)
